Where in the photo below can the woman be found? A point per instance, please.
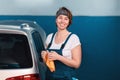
(64, 48)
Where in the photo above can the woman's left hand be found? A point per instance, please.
(53, 55)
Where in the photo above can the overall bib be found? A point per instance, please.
(62, 72)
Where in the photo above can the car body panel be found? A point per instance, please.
(25, 28)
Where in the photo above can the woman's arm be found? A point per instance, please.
(74, 62)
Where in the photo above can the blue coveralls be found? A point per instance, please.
(62, 71)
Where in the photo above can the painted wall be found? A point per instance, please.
(96, 22)
(49, 7)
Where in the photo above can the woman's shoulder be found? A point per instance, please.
(48, 39)
(73, 36)
(73, 40)
(50, 35)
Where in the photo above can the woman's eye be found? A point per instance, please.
(60, 17)
(66, 18)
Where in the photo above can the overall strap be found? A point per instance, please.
(63, 45)
(51, 40)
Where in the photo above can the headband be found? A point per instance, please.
(62, 12)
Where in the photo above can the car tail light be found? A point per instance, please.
(25, 77)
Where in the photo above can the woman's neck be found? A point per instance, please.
(62, 32)
(61, 36)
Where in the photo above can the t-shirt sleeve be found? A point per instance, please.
(48, 39)
(75, 41)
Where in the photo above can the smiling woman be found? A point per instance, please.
(96, 23)
(67, 58)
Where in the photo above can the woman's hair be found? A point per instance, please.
(65, 11)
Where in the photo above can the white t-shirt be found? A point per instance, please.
(72, 42)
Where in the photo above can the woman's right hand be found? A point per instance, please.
(43, 55)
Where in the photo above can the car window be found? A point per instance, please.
(14, 51)
(38, 43)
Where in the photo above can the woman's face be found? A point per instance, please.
(62, 22)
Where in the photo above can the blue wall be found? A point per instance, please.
(100, 38)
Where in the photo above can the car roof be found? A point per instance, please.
(18, 24)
